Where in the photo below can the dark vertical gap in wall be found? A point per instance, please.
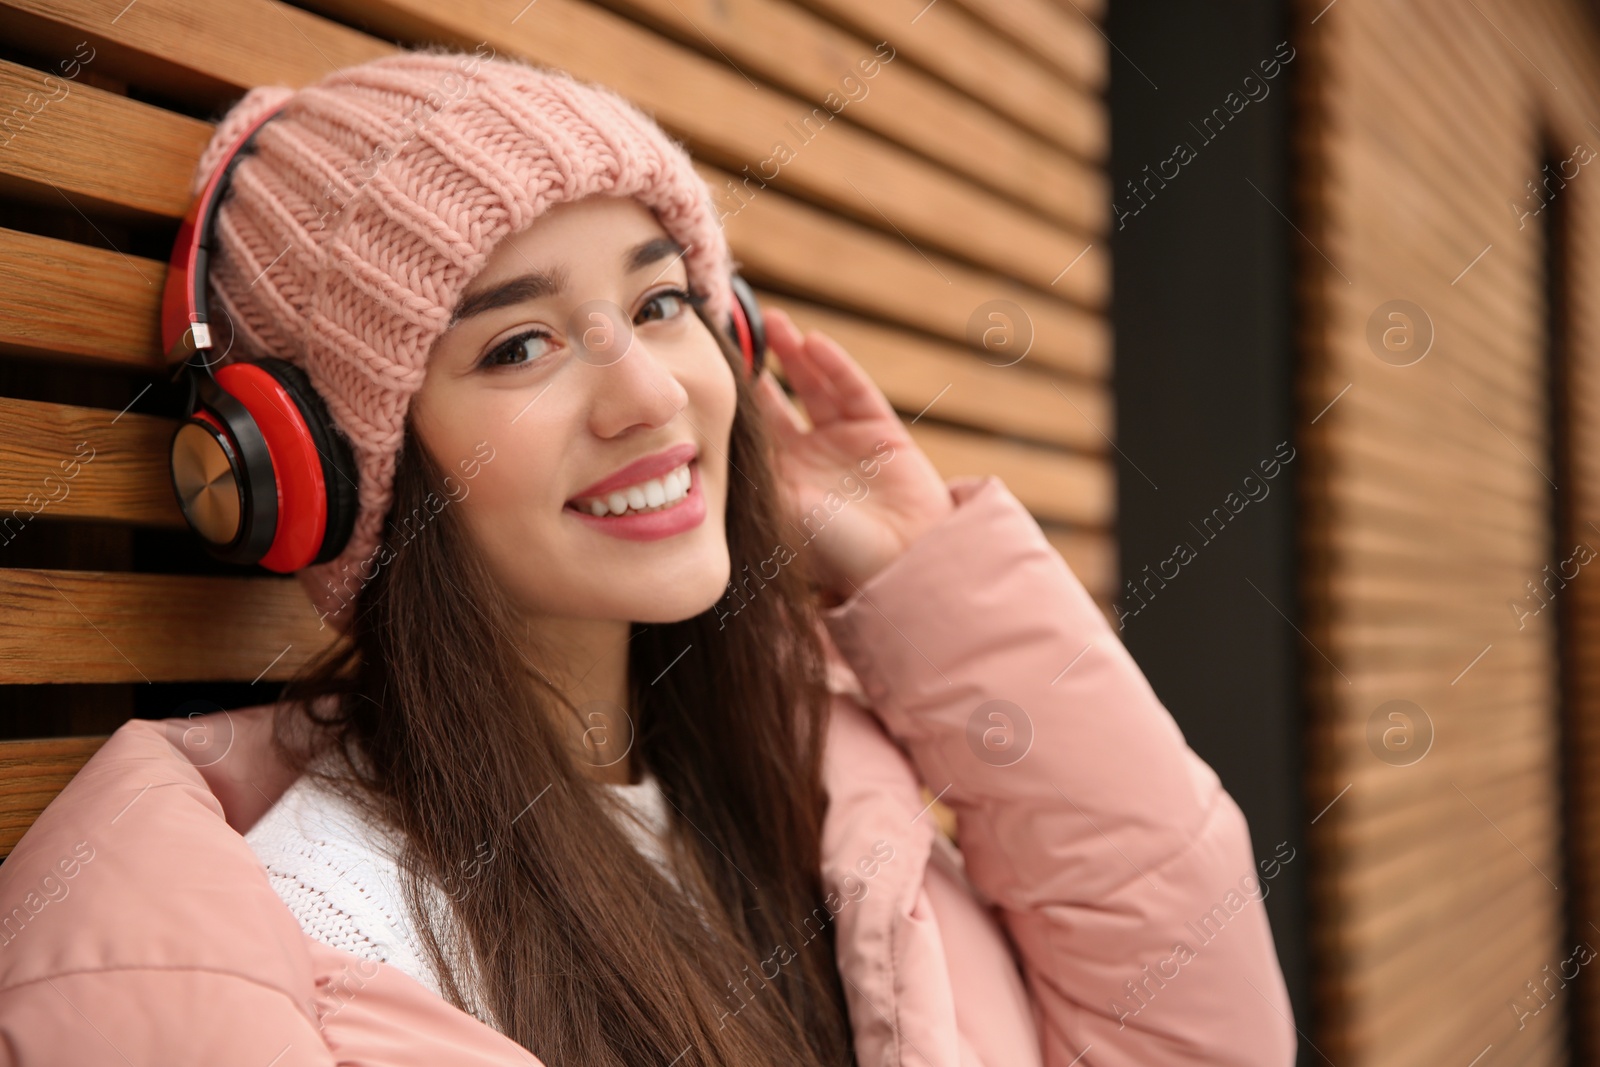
(1203, 259)
(1555, 220)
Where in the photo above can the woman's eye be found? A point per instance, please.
(518, 351)
(671, 301)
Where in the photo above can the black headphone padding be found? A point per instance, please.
(339, 471)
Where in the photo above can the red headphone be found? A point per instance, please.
(260, 470)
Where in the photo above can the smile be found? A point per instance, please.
(652, 494)
(646, 510)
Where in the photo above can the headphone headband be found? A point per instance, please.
(185, 318)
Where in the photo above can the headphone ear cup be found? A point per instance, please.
(222, 477)
(751, 334)
(339, 472)
(222, 472)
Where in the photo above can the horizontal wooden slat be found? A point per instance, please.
(783, 242)
(60, 462)
(808, 56)
(1372, 935)
(96, 626)
(729, 122)
(915, 372)
(779, 240)
(61, 299)
(202, 53)
(99, 152)
(1396, 970)
(950, 42)
(1401, 1021)
(722, 116)
(31, 774)
(125, 478)
(1070, 43)
(1052, 485)
(1406, 830)
(780, 237)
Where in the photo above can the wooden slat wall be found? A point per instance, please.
(1442, 887)
(971, 171)
(33, 772)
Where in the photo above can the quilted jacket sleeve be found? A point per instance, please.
(1119, 865)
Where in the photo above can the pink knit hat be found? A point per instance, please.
(373, 200)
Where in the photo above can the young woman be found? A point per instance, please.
(649, 677)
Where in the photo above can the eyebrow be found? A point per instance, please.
(537, 284)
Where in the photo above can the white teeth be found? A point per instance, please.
(645, 496)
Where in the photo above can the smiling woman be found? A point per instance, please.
(546, 794)
(580, 339)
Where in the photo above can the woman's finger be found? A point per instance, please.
(778, 409)
(856, 394)
(810, 385)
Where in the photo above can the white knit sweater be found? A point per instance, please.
(337, 872)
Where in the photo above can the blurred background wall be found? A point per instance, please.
(1448, 316)
(1397, 264)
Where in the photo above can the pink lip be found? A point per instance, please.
(652, 466)
(686, 514)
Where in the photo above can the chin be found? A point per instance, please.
(693, 591)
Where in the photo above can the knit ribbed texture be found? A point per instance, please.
(373, 200)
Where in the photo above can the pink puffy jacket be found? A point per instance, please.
(1107, 910)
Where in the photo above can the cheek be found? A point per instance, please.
(715, 394)
(713, 398)
(505, 500)
(519, 487)
(441, 420)
(512, 514)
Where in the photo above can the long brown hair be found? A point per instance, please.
(558, 931)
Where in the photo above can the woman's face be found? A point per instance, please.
(574, 356)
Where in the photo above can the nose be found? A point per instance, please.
(637, 388)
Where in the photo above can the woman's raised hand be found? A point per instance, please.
(855, 485)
